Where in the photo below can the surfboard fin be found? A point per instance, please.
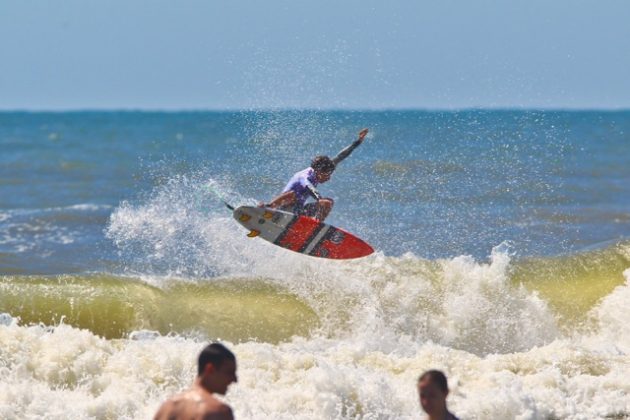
(253, 233)
(244, 217)
(267, 215)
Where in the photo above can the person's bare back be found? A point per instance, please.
(216, 371)
(195, 404)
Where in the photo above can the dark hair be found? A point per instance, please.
(437, 377)
(323, 164)
(214, 353)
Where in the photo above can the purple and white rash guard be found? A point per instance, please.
(303, 185)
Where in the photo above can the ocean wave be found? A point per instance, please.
(573, 284)
(113, 306)
(500, 305)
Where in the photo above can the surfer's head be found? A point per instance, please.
(323, 167)
(217, 368)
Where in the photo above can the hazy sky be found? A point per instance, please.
(193, 54)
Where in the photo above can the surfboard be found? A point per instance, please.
(301, 233)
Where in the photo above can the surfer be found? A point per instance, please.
(433, 390)
(216, 370)
(302, 185)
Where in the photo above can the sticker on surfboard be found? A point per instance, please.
(300, 233)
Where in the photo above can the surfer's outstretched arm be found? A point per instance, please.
(346, 152)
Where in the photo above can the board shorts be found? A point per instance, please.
(309, 209)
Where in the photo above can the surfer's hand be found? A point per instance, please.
(262, 204)
(362, 134)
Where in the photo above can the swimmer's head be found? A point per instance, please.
(433, 390)
(217, 368)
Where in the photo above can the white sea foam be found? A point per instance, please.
(144, 335)
(173, 233)
(88, 207)
(612, 316)
(64, 372)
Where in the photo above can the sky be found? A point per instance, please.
(319, 54)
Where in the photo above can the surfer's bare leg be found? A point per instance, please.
(324, 206)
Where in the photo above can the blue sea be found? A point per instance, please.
(502, 257)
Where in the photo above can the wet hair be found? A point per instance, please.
(214, 353)
(436, 377)
(323, 164)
